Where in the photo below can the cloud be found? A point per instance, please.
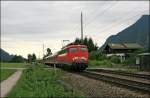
(26, 25)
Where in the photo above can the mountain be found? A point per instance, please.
(5, 56)
(139, 33)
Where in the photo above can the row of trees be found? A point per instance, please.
(88, 42)
(31, 57)
(17, 59)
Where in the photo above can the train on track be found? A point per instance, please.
(72, 56)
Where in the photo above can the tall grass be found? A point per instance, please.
(16, 65)
(5, 73)
(103, 63)
(40, 82)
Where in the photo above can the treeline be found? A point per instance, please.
(18, 58)
(31, 58)
(88, 42)
(15, 59)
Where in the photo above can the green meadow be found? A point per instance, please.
(39, 82)
(5, 73)
(14, 65)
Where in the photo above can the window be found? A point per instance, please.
(63, 51)
(83, 49)
(73, 49)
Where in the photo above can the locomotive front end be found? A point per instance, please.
(79, 57)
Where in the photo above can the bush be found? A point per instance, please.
(104, 63)
(94, 55)
(129, 61)
(41, 83)
(115, 59)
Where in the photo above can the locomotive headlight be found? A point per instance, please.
(83, 58)
(79, 58)
(75, 58)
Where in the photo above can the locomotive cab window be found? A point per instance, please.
(63, 51)
(83, 49)
(73, 49)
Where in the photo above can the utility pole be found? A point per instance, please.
(81, 29)
(43, 51)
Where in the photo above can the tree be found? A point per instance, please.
(29, 58)
(17, 59)
(49, 52)
(77, 41)
(90, 45)
(33, 57)
(88, 42)
(85, 41)
(95, 47)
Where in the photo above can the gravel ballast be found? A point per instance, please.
(99, 89)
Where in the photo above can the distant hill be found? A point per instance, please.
(139, 33)
(5, 56)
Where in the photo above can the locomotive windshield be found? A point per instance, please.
(73, 49)
(83, 49)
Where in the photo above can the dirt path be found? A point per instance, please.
(8, 84)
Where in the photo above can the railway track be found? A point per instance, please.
(129, 82)
(124, 73)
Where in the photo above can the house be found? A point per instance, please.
(121, 49)
(143, 60)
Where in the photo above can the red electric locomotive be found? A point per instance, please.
(72, 56)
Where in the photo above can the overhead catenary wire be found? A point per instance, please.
(100, 14)
(77, 27)
(115, 24)
(120, 22)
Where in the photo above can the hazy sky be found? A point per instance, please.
(26, 25)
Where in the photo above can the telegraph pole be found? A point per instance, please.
(81, 28)
(43, 51)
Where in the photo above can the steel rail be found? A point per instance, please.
(144, 87)
(144, 76)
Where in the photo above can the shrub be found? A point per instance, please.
(41, 83)
(115, 59)
(94, 55)
(103, 63)
(129, 61)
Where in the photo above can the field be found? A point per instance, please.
(5, 73)
(16, 65)
(39, 82)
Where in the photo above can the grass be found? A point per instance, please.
(39, 82)
(16, 65)
(96, 63)
(5, 73)
(109, 64)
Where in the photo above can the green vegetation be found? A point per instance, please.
(17, 59)
(95, 63)
(5, 73)
(16, 65)
(39, 82)
(31, 58)
(100, 60)
(110, 64)
(88, 42)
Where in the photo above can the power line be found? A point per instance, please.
(118, 23)
(76, 29)
(100, 14)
